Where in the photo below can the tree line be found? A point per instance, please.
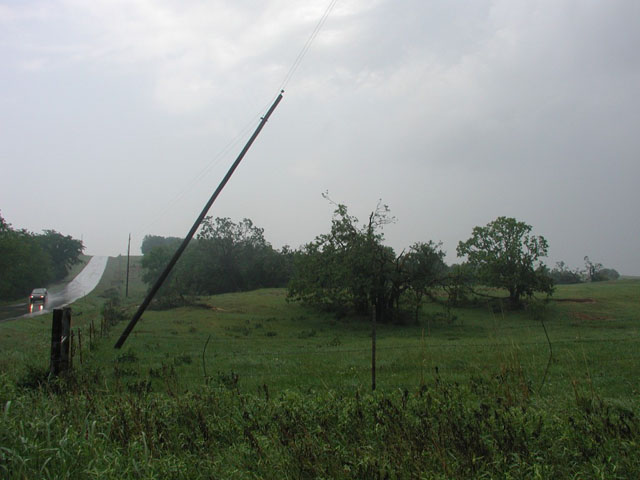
(592, 272)
(350, 270)
(224, 257)
(29, 260)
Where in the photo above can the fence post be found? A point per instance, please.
(65, 341)
(80, 344)
(60, 340)
(72, 349)
(56, 334)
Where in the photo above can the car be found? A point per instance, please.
(39, 295)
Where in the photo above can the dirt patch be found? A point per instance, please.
(574, 300)
(587, 317)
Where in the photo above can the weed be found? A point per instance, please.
(128, 357)
(307, 333)
(34, 378)
(182, 359)
(228, 380)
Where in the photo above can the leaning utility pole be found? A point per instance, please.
(194, 228)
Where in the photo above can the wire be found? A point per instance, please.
(308, 44)
(330, 351)
(244, 132)
(217, 159)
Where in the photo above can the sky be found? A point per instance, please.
(121, 117)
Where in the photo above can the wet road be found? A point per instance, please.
(77, 288)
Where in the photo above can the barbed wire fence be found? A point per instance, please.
(401, 366)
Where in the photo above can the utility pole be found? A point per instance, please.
(194, 228)
(126, 294)
(374, 303)
(373, 347)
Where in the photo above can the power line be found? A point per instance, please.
(247, 128)
(308, 43)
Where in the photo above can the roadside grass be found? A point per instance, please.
(281, 391)
(257, 338)
(25, 342)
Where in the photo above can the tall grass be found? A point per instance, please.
(248, 386)
(485, 428)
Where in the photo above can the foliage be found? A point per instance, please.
(23, 264)
(149, 242)
(595, 272)
(608, 274)
(225, 257)
(153, 263)
(505, 255)
(562, 275)
(297, 404)
(232, 257)
(349, 269)
(487, 427)
(63, 250)
(425, 271)
(28, 260)
(458, 283)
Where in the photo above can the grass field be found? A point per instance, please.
(258, 336)
(252, 378)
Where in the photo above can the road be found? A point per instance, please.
(77, 288)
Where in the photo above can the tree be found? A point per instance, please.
(63, 250)
(349, 268)
(561, 274)
(236, 257)
(597, 273)
(608, 274)
(149, 242)
(174, 287)
(23, 263)
(425, 270)
(224, 257)
(592, 269)
(505, 255)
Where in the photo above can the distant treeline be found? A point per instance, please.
(592, 272)
(29, 260)
(350, 270)
(224, 257)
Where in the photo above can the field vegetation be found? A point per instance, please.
(483, 369)
(248, 385)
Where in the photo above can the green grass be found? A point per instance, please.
(26, 342)
(285, 393)
(258, 336)
(262, 339)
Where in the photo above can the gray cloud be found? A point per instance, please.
(452, 112)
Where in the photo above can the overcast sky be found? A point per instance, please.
(121, 116)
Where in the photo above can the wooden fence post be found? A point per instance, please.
(65, 341)
(80, 344)
(73, 349)
(56, 334)
(60, 340)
